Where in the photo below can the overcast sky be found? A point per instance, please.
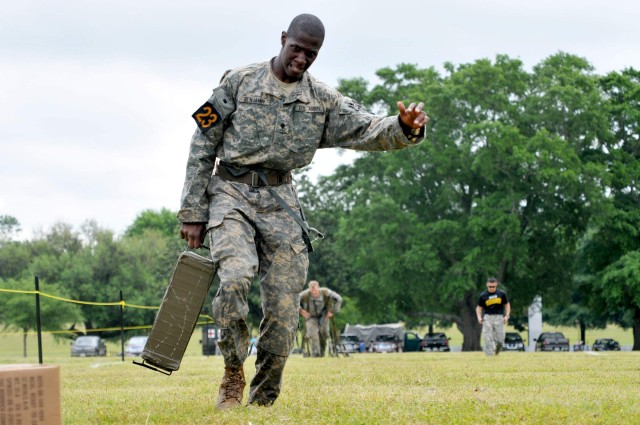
(96, 96)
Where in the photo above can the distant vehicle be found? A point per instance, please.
(606, 344)
(367, 334)
(88, 346)
(135, 345)
(552, 341)
(385, 344)
(513, 342)
(437, 341)
(350, 343)
(412, 342)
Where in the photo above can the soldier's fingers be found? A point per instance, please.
(422, 119)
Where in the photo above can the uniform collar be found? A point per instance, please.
(301, 93)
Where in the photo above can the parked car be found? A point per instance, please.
(552, 341)
(513, 342)
(135, 345)
(385, 344)
(412, 342)
(350, 343)
(606, 344)
(85, 346)
(437, 341)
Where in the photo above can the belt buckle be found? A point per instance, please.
(255, 179)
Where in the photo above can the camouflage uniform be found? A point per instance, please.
(248, 122)
(317, 326)
(493, 331)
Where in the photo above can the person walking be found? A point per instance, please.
(317, 306)
(493, 312)
(261, 122)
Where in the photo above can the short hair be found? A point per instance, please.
(308, 24)
(314, 283)
(492, 280)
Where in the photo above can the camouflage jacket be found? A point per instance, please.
(248, 121)
(328, 301)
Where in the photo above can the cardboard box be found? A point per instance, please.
(30, 394)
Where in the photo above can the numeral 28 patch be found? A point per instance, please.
(206, 116)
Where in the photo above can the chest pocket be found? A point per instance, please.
(307, 130)
(252, 128)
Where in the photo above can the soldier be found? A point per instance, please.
(317, 306)
(261, 122)
(495, 305)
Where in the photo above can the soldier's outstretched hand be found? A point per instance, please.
(413, 115)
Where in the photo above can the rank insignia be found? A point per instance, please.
(206, 116)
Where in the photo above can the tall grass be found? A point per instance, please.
(404, 388)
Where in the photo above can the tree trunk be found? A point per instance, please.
(583, 332)
(636, 330)
(468, 324)
(24, 344)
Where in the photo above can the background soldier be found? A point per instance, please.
(261, 122)
(497, 309)
(317, 306)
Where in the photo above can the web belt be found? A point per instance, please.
(260, 178)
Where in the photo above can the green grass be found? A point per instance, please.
(406, 388)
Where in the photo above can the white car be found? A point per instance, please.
(135, 345)
(385, 344)
(350, 343)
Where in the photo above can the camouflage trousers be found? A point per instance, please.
(493, 332)
(250, 234)
(317, 330)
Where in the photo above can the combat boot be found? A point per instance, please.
(498, 348)
(231, 388)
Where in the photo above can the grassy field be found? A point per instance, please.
(405, 388)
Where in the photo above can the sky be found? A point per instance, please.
(96, 96)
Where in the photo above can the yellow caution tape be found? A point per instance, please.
(122, 303)
(74, 331)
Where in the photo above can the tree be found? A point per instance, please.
(15, 258)
(164, 221)
(503, 187)
(610, 251)
(18, 311)
(94, 266)
(620, 287)
(9, 227)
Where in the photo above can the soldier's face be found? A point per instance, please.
(298, 52)
(315, 291)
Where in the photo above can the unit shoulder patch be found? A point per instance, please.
(206, 116)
